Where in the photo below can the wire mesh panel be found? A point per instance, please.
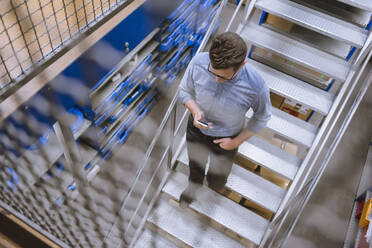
(31, 31)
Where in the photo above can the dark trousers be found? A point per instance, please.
(199, 147)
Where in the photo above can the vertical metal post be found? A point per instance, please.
(234, 15)
(68, 144)
(248, 10)
(172, 120)
(363, 53)
(72, 155)
(214, 21)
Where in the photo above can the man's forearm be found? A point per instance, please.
(192, 107)
(243, 136)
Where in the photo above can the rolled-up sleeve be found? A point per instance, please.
(186, 88)
(262, 111)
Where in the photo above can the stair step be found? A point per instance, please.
(264, 154)
(270, 156)
(319, 41)
(315, 20)
(151, 239)
(357, 16)
(220, 209)
(250, 186)
(296, 51)
(188, 227)
(290, 127)
(297, 90)
(362, 4)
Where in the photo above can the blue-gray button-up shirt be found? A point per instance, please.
(226, 104)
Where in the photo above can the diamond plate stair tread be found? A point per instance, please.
(250, 186)
(357, 16)
(270, 156)
(294, 50)
(151, 239)
(222, 210)
(290, 87)
(362, 4)
(255, 188)
(319, 41)
(314, 20)
(290, 127)
(187, 227)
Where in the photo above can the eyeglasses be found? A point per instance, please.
(214, 74)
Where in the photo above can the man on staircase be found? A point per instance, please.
(219, 88)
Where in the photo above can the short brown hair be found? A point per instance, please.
(228, 50)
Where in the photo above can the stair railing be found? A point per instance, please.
(174, 130)
(285, 221)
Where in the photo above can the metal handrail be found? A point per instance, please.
(316, 147)
(145, 160)
(303, 193)
(171, 110)
(311, 187)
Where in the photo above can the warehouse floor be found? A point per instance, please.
(325, 218)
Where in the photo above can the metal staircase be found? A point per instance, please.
(213, 220)
(87, 164)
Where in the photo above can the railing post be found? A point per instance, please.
(248, 10)
(364, 51)
(73, 163)
(234, 15)
(172, 135)
(211, 27)
(169, 116)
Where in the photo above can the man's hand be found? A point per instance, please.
(227, 143)
(197, 113)
(199, 116)
(230, 144)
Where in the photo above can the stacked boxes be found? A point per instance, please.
(295, 109)
(291, 107)
(279, 23)
(273, 177)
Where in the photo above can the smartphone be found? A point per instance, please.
(202, 123)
